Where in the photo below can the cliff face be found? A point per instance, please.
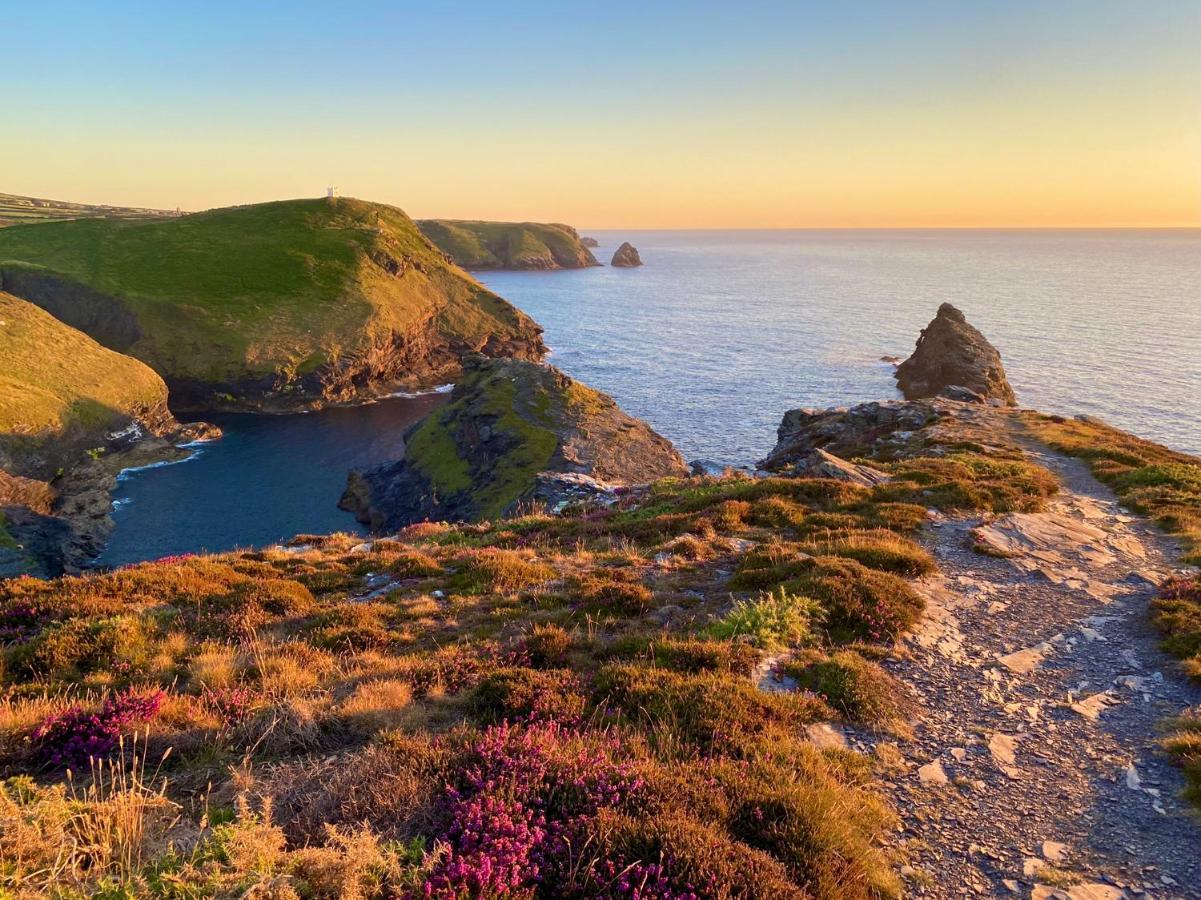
(67, 406)
(508, 423)
(951, 354)
(509, 245)
(279, 305)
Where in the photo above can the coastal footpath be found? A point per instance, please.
(938, 647)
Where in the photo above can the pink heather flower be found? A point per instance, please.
(75, 736)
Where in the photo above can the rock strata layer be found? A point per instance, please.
(488, 452)
(954, 359)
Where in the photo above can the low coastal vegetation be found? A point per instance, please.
(508, 245)
(544, 705)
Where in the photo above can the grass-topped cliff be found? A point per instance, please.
(508, 245)
(65, 401)
(282, 303)
(59, 386)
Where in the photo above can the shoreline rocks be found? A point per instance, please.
(953, 359)
(492, 450)
(626, 257)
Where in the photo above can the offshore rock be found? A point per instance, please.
(626, 257)
(954, 359)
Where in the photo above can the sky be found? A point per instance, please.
(1016, 113)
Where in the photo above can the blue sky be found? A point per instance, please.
(618, 113)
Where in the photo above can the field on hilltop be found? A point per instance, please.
(18, 210)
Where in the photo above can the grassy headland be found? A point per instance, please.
(295, 300)
(57, 384)
(508, 245)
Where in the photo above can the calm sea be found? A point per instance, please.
(720, 332)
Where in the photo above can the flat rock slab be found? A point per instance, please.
(932, 773)
(1023, 662)
(1093, 891)
(1092, 706)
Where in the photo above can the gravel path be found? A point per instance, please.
(1044, 691)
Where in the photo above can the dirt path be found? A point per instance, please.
(1044, 690)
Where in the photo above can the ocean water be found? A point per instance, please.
(720, 332)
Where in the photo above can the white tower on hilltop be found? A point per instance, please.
(331, 192)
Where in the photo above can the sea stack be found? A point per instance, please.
(589, 242)
(626, 256)
(952, 359)
(515, 435)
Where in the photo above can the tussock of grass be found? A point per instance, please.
(859, 689)
(771, 621)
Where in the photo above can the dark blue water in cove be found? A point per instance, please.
(267, 479)
(721, 332)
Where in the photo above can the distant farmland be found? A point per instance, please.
(16, 210)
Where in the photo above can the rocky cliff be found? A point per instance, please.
(70, 412)
(509, 245)
(508, 422)
(281, 306)
(955, 359)
(626, 257)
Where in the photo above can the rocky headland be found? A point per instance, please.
(954, 359)
(589, 242)
(509, 245)
(514, 435)
(276, 306)
(626, 257)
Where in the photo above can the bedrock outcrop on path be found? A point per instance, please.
(952, 358)
(489, 450)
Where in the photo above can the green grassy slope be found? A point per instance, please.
(508, 245)
(274, 291)
(56, 380)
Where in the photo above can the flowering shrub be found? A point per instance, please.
(19, 622)
(232, 704)
(525, 798)
(75, 736)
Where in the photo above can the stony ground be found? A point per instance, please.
(1035, 769)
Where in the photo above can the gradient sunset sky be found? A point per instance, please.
(613, 114)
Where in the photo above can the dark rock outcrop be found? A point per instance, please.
(589, 242)
(626, 256)
(954, 359)
(866, 429)
(488, 452)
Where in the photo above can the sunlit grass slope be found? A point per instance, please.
(56, 380)
(275, 290)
